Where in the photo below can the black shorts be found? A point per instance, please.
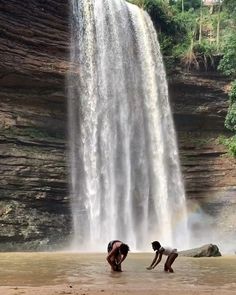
(110, 245)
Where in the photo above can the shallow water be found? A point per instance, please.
(91, 270)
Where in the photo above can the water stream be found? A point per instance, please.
(126, 181)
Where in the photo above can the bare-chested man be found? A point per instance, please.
(117, 252)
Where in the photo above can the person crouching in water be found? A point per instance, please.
(117, 252)
(171, 254)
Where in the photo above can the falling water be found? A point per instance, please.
(125, 177)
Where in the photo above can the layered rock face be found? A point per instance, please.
(200, 103)
(34, 203)
(34, 199)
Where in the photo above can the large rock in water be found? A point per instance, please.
(208, 250)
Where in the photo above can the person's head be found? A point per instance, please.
(156, 245)
(124, 249)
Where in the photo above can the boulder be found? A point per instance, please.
(208, 250)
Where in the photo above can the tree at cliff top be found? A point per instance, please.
(228, 63)
(191, 33)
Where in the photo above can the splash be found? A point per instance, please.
(126, 181)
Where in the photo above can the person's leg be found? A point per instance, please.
(117, 259)
(171, 258)
(166, 264)
(112, 260)
(118, 267)
(113, 265)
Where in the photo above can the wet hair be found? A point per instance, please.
(156, 245)
(124, 249)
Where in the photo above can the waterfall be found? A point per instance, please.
(126, 181)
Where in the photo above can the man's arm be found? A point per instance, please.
(110, 255)
(122, 259)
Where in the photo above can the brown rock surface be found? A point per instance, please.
(199, 103)
(34, 205)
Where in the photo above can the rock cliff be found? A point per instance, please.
(34, 205)
(34, 201)
(199, 104)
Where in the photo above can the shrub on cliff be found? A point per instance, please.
(228, 63)
(230, 121)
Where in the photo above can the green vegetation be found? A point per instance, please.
(228, 62)
(230, 143)
(230, 121)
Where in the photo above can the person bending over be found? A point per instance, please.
(171, 254)
(117, 252)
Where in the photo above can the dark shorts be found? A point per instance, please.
(110, 245)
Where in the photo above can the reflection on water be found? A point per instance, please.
(36, 269)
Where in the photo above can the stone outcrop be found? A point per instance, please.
(209, 250)
(34, 201)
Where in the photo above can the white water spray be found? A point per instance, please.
(126, 181)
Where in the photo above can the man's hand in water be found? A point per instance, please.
(149, 267)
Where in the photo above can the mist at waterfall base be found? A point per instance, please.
(126, 181)
(212, 221)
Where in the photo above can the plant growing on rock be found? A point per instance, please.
(230, 121)
(228, 63)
